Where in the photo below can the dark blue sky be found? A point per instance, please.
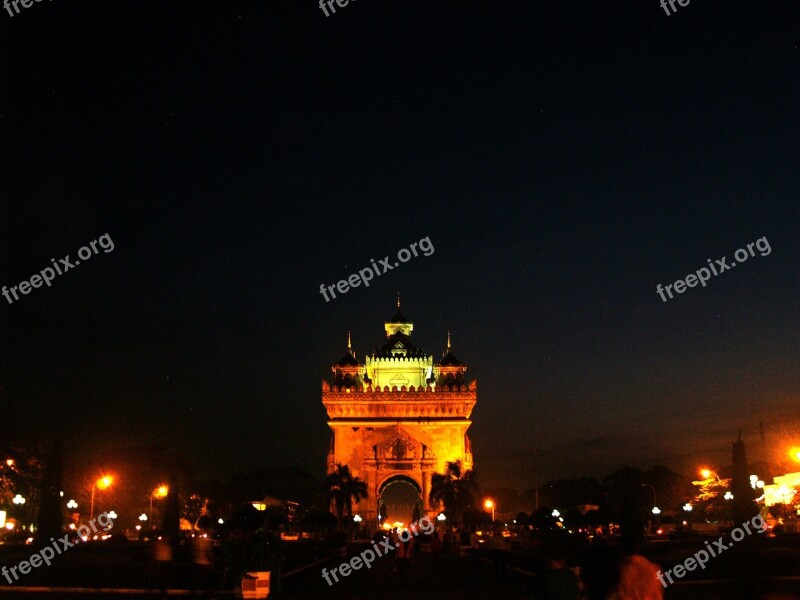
(564, 159)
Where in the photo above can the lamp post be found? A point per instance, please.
(489, 505)
(103, 483)
(536, 478)
(160, 492)
(656, 511)
(19, 501)
(707, 473)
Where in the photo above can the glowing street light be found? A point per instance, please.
(18, 500)
(489, 505)
(112, 515)
(687, 507)
(357, 518)
(72, 504)
(441, 517)
(555, 513)
(143, 517)
(656, 510)
(728, 495)
(101, 484)
(10, 462)
(707, 473)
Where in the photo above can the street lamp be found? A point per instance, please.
(656, 510)
(72, 504)
(101, 484)
(19, 501)
(160, 492)
(707, 473)
(441, 517)
(489, 505)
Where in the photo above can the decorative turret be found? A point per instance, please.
(398, 364)
(450, 371)
(347, 372)
(398, 323)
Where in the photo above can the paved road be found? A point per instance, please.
(432, 577)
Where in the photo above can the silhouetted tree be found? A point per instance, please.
(344, 489)
(744, 507)
(455, 489)
(172, 511)
(51, 518)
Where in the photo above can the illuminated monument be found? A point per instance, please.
(397, 418)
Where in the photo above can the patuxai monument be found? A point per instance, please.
(397, 417)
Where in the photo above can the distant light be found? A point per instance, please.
(760, 483)
(441, 517)
(220, 521)
(72, 504)
(687, 507)
(728, 495)
(357, 518)
(656, 510)
(138, 527)
(705, 473)
(10, 462)
(143, 517)
(112, 515)
(61, 494)
(18, 499)
(9, 526)
(555, 513)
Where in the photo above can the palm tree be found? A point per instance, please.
(343, 489)
(455, 489)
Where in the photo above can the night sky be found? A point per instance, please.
(564, 158)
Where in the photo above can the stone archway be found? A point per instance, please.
(400, 500)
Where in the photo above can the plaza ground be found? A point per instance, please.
(432, 577)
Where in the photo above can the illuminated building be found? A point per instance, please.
(397, 418)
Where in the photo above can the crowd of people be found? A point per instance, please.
(605, 571)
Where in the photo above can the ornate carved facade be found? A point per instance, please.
(398, 416)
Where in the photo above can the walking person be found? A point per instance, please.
(403, 555)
